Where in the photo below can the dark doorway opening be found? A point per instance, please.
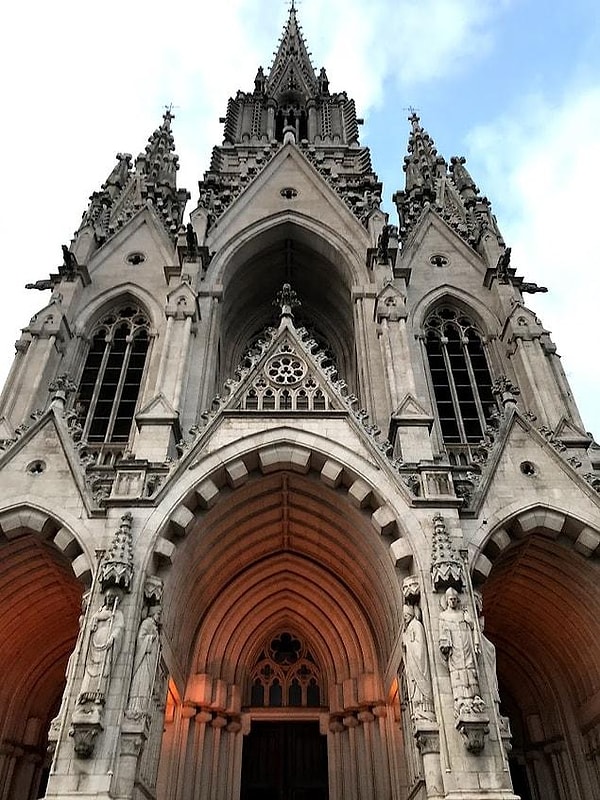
(285, 761)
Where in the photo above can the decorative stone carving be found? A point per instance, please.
(416, 663)
(104, 646)
(446, 564)
(116, 569)
(460, 646)
(460, 650)
(61, 387)
(411, 590)
(84, 738)
(55, 724)
(144, 666)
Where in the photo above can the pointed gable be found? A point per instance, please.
(285, 371)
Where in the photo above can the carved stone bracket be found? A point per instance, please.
(473, 727)
(411, 590)
(85, 726)
(427, 737)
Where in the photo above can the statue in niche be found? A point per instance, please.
(460, 649)
(71, 663)
(144, 666)
(104, 646)
(416, 664)
(488, 652)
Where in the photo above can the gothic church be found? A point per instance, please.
(267, 468)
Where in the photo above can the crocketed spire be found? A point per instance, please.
(152, 182)
(451, 192)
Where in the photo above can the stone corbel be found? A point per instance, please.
(473, 727)
(86, 724)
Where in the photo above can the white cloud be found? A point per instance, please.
(408, 41)
(543, 160)
(80, 85)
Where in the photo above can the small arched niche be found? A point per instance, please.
(317, 272)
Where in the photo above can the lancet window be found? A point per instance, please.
(285, 674)
(111, 378)
(459, 374)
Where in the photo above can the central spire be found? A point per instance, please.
(292, 72)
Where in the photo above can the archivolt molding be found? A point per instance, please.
(26, 518)
(542, 606)
(518, 523)
(487, 321)
(365, 486)
(326, 241)
(119, 295)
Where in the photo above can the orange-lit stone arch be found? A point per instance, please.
(43, 572)
(542, 606)
(297, 541)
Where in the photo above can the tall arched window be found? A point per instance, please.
(110, 383)
(460, 375)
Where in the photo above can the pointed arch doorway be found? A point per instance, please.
(284, 754)
(282, 554)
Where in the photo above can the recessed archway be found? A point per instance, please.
(40, 603)
(282, 552)
(287, 253)
(541, 610)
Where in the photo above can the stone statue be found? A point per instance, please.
(71, 664)
(191, 240)
(459, 648)
(144, 666)
(104, 646)
(488, 652)
(416, 664)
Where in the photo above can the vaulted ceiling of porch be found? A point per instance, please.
(283, 550)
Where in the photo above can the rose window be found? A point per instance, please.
(286, 369)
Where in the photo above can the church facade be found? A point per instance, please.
(296, 502)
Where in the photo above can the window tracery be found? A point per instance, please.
(286, 383)
(110, 381)
(460, 375)
(285, 674)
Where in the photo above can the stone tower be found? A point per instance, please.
(264, 470)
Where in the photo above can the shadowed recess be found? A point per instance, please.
(282, 550)
(540, 610)
(40, 601)
(287, 254)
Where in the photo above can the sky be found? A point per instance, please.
(513, 85)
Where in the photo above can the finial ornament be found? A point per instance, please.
(286, 299)
(117, 568)
(446, 564)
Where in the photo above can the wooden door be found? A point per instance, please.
(284, 761)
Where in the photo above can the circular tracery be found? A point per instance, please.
(286, 369)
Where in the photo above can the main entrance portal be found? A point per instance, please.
(284, 761)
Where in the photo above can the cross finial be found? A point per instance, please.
(168, 115)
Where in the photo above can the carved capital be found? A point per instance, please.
(427, 739)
